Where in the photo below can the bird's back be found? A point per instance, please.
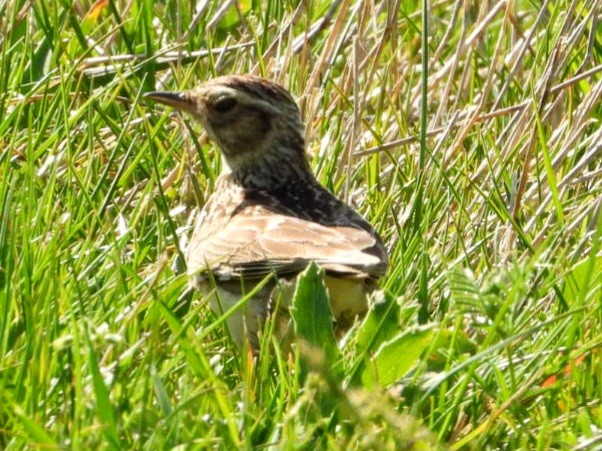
(252, 232)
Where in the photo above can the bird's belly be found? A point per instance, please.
(348, 299)
(243, 321)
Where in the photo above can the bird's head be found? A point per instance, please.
(246, 116)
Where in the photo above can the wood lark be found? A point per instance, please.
(269, 215)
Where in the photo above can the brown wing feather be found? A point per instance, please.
(257, 242)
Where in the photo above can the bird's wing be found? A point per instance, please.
(260, 242)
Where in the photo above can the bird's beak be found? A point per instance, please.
(177, 100)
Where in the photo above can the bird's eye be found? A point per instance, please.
(224, 104)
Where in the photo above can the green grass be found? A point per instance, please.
(489, 198)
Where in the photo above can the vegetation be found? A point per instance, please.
(488, 195)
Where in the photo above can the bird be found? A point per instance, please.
(268, 216)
